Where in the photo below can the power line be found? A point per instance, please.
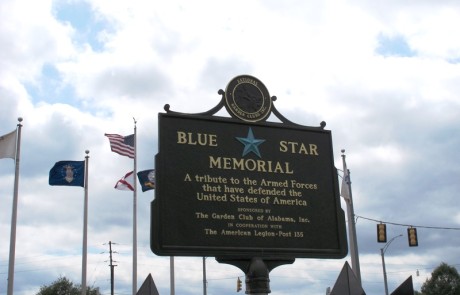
(408, 225)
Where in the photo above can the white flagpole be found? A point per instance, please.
(85, 229)
(204, 276)
(171, 274)
(351, 221)
(135, 213)
(14, 215)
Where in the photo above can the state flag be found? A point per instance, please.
(126, 183)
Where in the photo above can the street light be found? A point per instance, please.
(382, 252)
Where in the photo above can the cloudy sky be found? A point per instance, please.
(383, 75)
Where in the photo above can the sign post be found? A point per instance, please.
(252, 193)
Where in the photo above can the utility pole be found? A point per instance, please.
(112, 266)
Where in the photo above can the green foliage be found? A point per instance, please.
(63, 286)
(445, 280)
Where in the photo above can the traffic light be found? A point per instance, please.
(238, 285)
(381, 233)
(412, 237)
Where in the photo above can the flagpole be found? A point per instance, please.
(14, 215)
(135, 212)
(351, 222)
(85, 229)
(204, 276)
(171, 275)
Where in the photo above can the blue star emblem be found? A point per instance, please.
(250, 143)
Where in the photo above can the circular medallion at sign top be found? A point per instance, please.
(247, 98)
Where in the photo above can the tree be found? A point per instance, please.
(63, 286)
(444, 280)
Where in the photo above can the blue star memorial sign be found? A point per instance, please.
(250, 143)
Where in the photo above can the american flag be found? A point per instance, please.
(123, 145)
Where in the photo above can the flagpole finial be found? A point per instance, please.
(343, 151)
(20, 119)
(87, 153)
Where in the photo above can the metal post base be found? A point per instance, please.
(257, 271)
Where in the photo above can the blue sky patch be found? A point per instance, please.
(455, 60)
(50, 87)
(393, 46)
(80, 16)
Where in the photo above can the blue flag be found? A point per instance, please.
(71, 173)
(147, 179)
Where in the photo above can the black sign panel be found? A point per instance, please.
(228, 187)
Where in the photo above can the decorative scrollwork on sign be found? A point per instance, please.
(246, 98)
